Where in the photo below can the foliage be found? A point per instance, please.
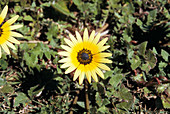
(31, 80)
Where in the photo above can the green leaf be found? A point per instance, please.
(154, 51)
(61, 6)
(28, 18)
(81, 104)
(7, 89)
(162, 64)
(165, 102)
(106, 102)
(21, 98)
(166, 99)
(142, 48)
(151, 59)
(2, 81)
(135, 62)
(34, 91)
(115, 79)
(102, 109)
(151, 16)
(126, 99)
(100, 88)
(98, 99)
(3, 64)
(164, 55)
(139, 22)
(47, 54)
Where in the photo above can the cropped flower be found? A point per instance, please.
(6, 33)
(85, 56)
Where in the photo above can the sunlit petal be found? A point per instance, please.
(85, 35)
(96, 39)
(78, 36)
(5, 48)
(68, 42)
(64, 60)
(76, 74)
(3, 14)
(101, 43)
(66, 48)
(10, 21)
(103, 66)
(13, 27)
(99, 72)
(73, 39)
(15, 34)
(64, 53)
(70, 69)
(13, 40)
(10, 45)
(81, 77)
(92, 36)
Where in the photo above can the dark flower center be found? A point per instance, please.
(84, 56)
(1, 32)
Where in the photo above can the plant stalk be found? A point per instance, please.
(86, 96)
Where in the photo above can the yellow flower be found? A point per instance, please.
(6, 33)
(85, 56)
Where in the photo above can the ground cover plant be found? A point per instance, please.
(133, 79)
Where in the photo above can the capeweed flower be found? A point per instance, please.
(6, 33)
(85, 56)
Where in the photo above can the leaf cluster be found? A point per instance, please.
(31, 80)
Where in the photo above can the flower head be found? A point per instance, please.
(85, 56)
(6, 33)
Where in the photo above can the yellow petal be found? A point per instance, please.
(65, 65)
(87, 72)
(101, 43)
(88, 75)
(3, 38)
(73, 39)
(99, 72)
(68, 42)
(3, 14)
(94, 76)
(13, 27)
(104, 48)
(103, 60)
(64, 60)
(104, 54)
(85, 35)
(76, 74)
(78, 36)
(92, 36)
(15, 34)
(10, 45)
(5, 48)
(66, 48)
(13, 40)
(96, 39)
(70, 69)
(10, 21)
(64, 53)
(103, 66)
(81, 78)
